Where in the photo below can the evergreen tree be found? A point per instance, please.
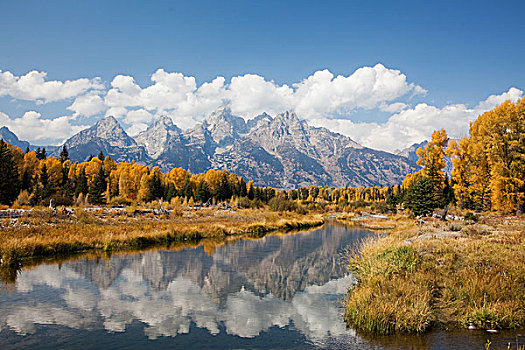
(82, 185)
(101, 156)
(420, 196)
(187, 191)
(97, 188)
(27, 150)
(170, 192)
(155, 188)
(203, 192)
(9, 184)
(250, 193)
(64, 155)
(44, 180)
(242, 188)
(26, 180)
(38, 153)
(43, 155)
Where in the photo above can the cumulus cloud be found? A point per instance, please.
(34, 87)
(368, 87)
(322, 98)
(416, 124)
(88, 105)
(31, 126)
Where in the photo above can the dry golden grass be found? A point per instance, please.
(46, 235)
(416, 277)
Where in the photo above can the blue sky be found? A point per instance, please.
(460, 52)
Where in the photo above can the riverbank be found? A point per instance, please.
(47, 233)
(440, 273)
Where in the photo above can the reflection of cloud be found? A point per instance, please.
(80, 299)
(171, 312)
(169, 292)
(247, 315)
(45, 275)
(24, 318)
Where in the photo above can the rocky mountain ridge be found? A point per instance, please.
(281, 151)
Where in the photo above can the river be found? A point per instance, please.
(275, 292)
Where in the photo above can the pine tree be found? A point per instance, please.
(155, 188)
(82, 185)
(97, 188)
(420, 196)
(26, 180)
(101, 156)
(43, 155)
(64, 155)
(9, 184)
(203, 192)
(27, 150)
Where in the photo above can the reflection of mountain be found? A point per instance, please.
(281, 265)
(245, 288)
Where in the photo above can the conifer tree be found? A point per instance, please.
(203, 192)
(9, 184)
(64, 154)
(82, 185)
(420, 196)
(97, 188)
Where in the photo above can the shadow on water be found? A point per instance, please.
(278, 291)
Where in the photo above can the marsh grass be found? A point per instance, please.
(43, 234)
(407, 283)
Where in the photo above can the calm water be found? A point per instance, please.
(274, 292)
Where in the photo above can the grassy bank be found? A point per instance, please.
(440, 273)
(43, 234)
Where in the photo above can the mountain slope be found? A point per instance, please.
(107, 136)
(8, 136)
(282, 152)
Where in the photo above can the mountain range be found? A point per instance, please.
(281, 151)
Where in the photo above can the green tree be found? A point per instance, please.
(82, 185)
(203, 192)
(420, 197)
(156, 190)
(9, 184)
(44, 180)
(64, 155)
(97, 188)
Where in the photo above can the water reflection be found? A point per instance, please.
(242, 288)
(275, 292)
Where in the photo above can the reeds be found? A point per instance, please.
(407, 284)
(43, 234)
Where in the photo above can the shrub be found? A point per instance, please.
(280, 204)
(471, 217)
(120, 201)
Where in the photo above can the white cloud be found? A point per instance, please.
(88, 105)
(416, 124)
(319, 98)
(493, 100)
(393, 107)
(321, 94)
(368, 87)
(32, 127)
(34, 87)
